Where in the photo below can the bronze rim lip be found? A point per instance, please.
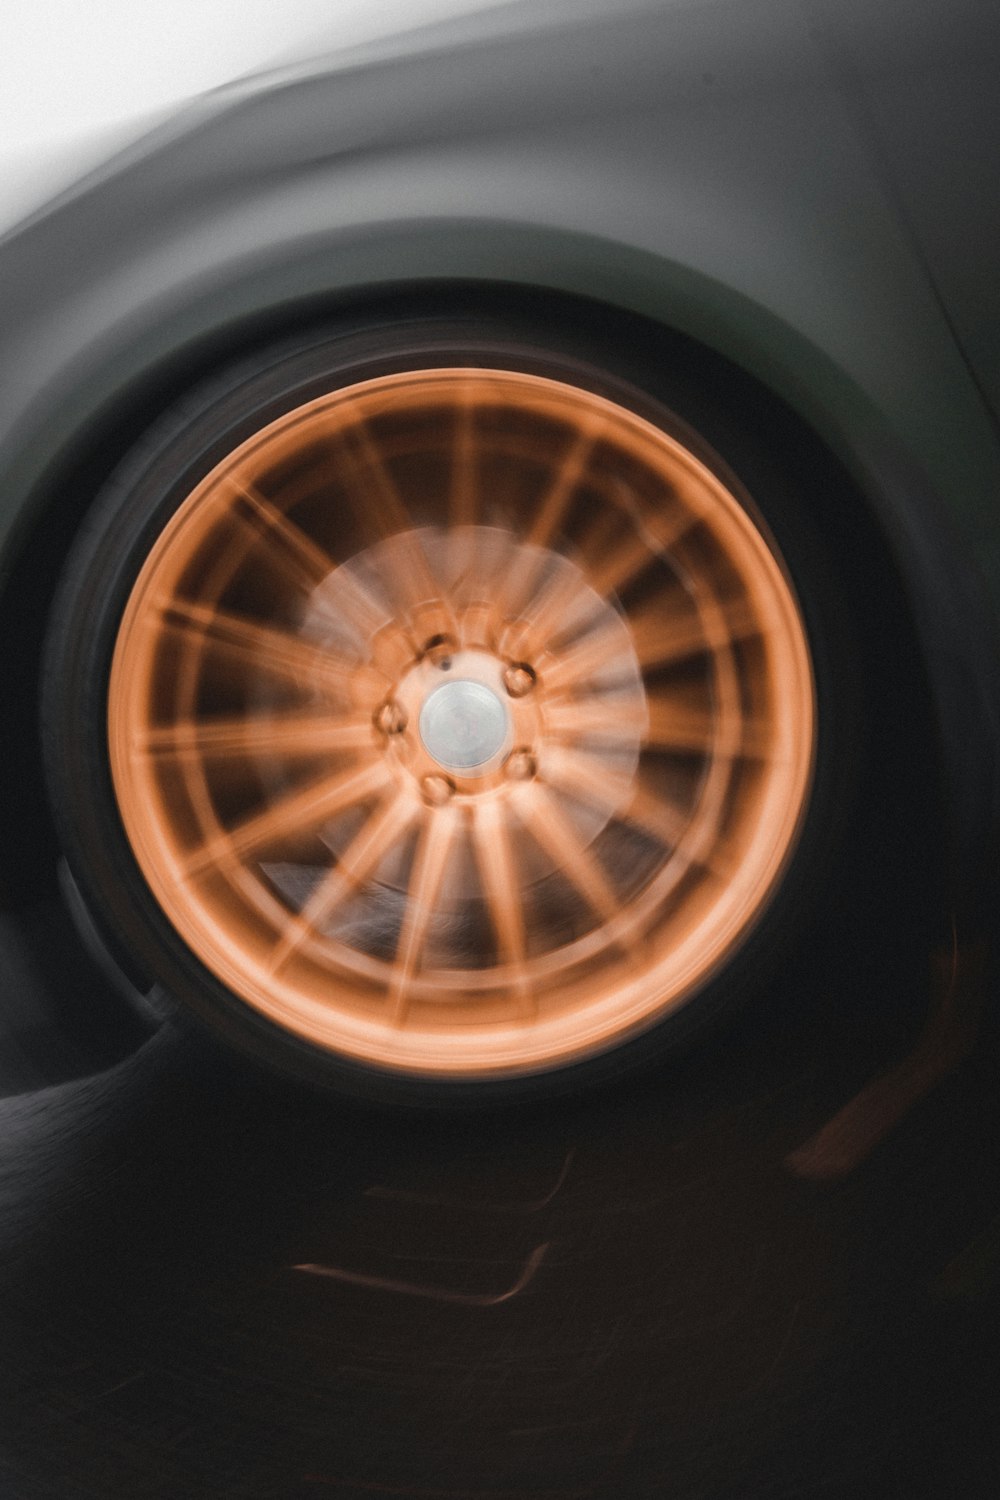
(676, 705)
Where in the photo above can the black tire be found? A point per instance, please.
(131, 512)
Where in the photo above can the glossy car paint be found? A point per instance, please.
(799, 185)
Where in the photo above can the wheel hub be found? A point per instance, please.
(464, 725)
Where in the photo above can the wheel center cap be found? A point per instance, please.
(463, 725)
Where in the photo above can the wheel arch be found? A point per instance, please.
(112, 387)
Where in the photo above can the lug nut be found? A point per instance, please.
(439, 650)
(518, 679)
(391, 717)
(437, 790)
(521, 765)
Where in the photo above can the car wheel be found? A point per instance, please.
(434, 712)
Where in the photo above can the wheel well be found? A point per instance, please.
(902, 697)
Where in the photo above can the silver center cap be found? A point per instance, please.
(463, 725)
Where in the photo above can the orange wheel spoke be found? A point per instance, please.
(586, 776)
(667, 725)
(553, 831)
(378, 497)
(542, 617)
(503, 890)
(437, 837)
(620, 567)
(663, 639)
(464, 502)
(342, 596)
(592, 717)
(267, 649)
(309, 562)
(683, 729)
(555, 504)
(299, 736)
(596, 653)
(590, 779)
(655, 814)
(295, 813)
(680, 727)
(354, 867)
(616, 568)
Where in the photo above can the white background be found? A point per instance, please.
(78, 78)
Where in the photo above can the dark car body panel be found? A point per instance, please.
(801, 186)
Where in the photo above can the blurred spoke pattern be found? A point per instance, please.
(503, 888)
(257, 647)
(308, 736)
(569, 852)
(436, 838)
(353, 868)
(292, 550)
(460, 720)
(296, 812)
(548, 522)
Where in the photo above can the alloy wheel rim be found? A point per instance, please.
(462, 721)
